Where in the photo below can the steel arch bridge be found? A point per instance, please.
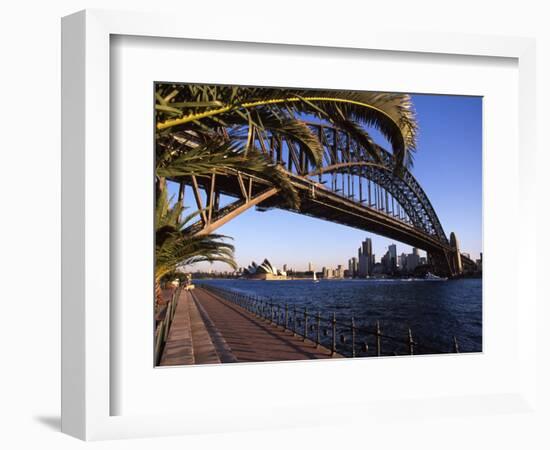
(351, 187)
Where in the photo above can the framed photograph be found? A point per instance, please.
(249, 222)
(253, 155)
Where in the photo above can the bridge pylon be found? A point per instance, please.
(448, 263)
(455, 258)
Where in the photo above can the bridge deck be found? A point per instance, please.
(235, 334)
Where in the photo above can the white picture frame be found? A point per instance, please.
(87, 355)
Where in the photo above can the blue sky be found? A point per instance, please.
(447, 165)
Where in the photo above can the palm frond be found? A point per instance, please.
(294, 130)
(221, 155)
(180, 250)
(392, 114)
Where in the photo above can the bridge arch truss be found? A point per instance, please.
(351, 186)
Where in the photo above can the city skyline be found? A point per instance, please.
(398, 253)
(449, 153)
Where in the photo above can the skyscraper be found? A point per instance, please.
(392, 250)
(386, 262)
(353, 267)
(403, 261)
(413, 260)
(479, 262)
(310, 267)
(365, 258)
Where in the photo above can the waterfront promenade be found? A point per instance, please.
(208, 329)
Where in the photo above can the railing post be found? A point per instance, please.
(352, 337)
(165, 329)
(294, 322)
(378, 349)
(318, 328)
(333, 348)
(158, 343)
(305, 324)
(455, 344)
(411, 343)
(286, 316)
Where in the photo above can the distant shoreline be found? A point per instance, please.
(324, 280)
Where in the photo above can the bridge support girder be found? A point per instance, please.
(440, 263)
(448, 263)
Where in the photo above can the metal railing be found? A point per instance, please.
(162, 327)
(344, 337)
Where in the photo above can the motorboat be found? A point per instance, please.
(431, 277)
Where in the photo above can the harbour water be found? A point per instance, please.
(435, 311)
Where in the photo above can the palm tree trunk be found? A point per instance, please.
(160, 186)
(159, 299)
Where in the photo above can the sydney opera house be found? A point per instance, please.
(264, 271)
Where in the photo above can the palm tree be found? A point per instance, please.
(175, 249)
(204, 109)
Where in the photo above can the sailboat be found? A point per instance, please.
(315, 280)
